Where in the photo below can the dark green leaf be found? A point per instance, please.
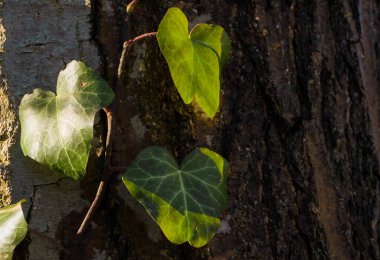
(194, 60)
(186, 202)
(57, 130)
(13, 228)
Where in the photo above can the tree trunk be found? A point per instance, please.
(299, 123)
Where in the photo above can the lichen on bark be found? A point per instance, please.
(8, 128)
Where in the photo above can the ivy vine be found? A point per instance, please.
(186, 201)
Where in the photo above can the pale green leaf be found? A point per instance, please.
(185, 201)
(13, 228)
(194, 59)
(214, 37)
(57, 130)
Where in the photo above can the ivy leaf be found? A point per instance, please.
(185, 201)
(194, 60)
(13, 228)
(57, 130)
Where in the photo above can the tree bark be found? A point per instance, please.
(299, 124)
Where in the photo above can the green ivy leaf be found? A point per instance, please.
(186, 202)
(194, 60)
(13, 228)
(57, 130)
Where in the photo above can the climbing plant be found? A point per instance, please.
(13, 229)
(185, 200)
(194, 59)
(57, 129)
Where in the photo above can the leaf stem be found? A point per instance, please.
(140, 37)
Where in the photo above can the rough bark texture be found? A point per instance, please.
(299, 123)
(38, 39)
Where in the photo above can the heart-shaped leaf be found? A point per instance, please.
(57, 130)
(186, 202)
(13, 228)
(194, 60)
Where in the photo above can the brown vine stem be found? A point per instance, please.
(140, 37)
(50, 239)
(108, 169)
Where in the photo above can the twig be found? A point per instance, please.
(108, 170)
(50, 239)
